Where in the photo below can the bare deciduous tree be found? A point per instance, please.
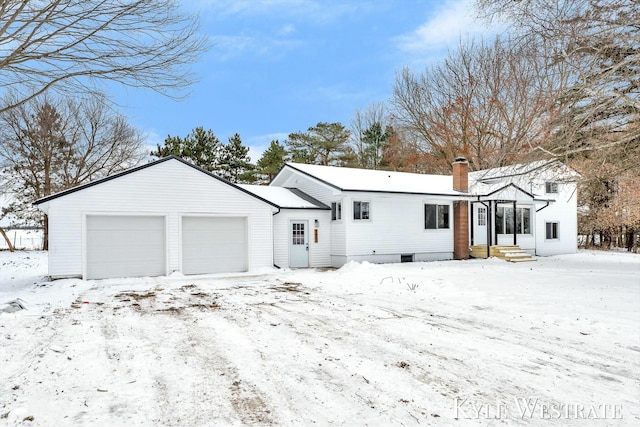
(363, 119)
(71, 46)
(487, 101)
(50, 145)
(598, 42)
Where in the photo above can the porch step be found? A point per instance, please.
(507, 253)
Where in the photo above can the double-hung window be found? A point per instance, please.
(361, 210)
(551, 231)
(336, 211)
(436, 216)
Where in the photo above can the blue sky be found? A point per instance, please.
(280, 66)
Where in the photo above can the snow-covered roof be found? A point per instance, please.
(521, 169)
(350, 179)
(290, 198)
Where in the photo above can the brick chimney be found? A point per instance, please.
(460, 174)
(461, 210)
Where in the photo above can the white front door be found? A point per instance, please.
(480, 218)
(299, 244)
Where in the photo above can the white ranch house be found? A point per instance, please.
(170, 216)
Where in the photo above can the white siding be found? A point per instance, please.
(170, 188)
(396, 227)
(318, 252)
(564, 212)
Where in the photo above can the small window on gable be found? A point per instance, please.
(551, 187)
(336, 211)
(551, 232)
(436, 217)
(360, 210)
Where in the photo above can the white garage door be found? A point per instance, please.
(214, 245)
(125, 246)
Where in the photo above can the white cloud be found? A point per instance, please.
(314, 10)
(258, 144)
(443, 30)
(287, 29)
(230, 47)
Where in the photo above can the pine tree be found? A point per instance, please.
(235, 164)
(322, 144)
(375, 142)
(272, 160)
(200, 147)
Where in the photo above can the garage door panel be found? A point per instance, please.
(125, 246)
(214, 245)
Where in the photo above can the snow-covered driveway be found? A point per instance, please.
(541, 343)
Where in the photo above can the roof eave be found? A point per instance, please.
(138, 168)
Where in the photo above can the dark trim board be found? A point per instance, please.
(308, 198)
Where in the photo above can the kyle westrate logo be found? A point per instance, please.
(533, 407)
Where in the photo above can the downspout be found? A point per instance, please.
(514, 222)
(471, 224)
(494, 229)
(273, 240)
(548, 203)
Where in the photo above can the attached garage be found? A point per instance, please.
(214, 244)
(125, 246)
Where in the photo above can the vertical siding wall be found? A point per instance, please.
(318, 252)
(171, 189)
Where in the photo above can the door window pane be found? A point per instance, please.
(297, 233)
(482, 216)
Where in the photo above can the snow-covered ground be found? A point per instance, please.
(29, 239)
(444, 343)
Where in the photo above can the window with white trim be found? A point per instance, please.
(482, 216)
(551, 187)
(336, 211)
(436, 216)
(504, 220)
(551, 231)
(361, 210)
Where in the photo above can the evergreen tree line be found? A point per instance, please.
(323, 144)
